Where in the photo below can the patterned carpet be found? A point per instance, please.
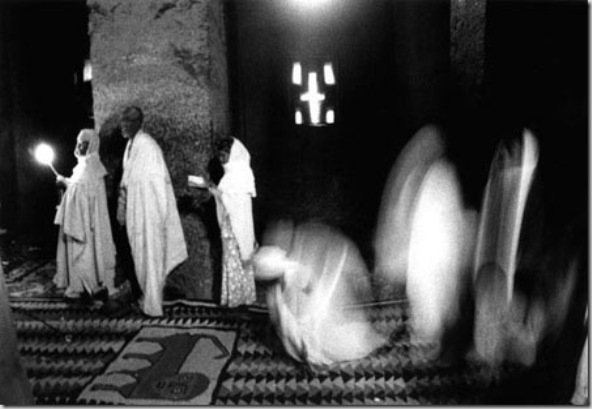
(66, 347)
(75, 355)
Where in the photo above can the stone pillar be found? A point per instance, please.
(169, 58)
(468, 116)
(467, 47)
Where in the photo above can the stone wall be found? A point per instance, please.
(169, 58)
(467, 47)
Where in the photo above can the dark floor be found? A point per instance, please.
(65, 346)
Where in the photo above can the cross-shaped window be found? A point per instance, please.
(314, 98)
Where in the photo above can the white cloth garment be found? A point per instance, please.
(315, 296)
(86, 254)
(237, 188)
(440, 231)
(152, 220)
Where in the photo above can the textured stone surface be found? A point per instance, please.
(467, 46)
(169, 58)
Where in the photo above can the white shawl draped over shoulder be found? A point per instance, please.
(152, 219)
(238, 176)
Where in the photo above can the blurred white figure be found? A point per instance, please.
(510, 179)
(581, 394)
(496, 316)
(391, 241)
(440, 234)
(424, 234)
(319, 281)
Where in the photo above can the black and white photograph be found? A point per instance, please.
(294, 202)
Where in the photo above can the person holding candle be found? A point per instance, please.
(85, 253)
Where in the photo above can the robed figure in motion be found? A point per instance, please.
(317, 287)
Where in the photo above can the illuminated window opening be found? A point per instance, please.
(330, 116)
(328, 74)
(314, 88)
(298, 118)
(297, 73)
(314, 98)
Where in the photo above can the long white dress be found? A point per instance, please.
(152, 220)
(86, 254)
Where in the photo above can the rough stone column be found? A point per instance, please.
(467, 47)
(169, 58)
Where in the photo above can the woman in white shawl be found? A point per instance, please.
(235, 215)
(86, 253)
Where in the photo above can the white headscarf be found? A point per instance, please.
(89, 165)
(238, 175)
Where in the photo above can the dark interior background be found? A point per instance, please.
(393, 75)
(391, 62)
(43, 45)
(537, 77)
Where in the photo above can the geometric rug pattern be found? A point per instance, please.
(400, 373)
(67, 349)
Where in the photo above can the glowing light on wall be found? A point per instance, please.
(330, 116)
(298, 117)
(87, 71)
(297, 73)
(328, 74)
(314, 98)
(310, 4)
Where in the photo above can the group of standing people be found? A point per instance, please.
(147, 210)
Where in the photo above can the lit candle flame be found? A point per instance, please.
(44, 154)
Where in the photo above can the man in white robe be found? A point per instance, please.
(148, 208)
(86, 252)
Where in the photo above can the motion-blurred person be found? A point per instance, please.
(234, 195)
(391, 240)
(496, 256)
(14, 385)
(319, 281)
(85, 253)
(441, 233)
(424, 234)
(148, 209)
(581, 394)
